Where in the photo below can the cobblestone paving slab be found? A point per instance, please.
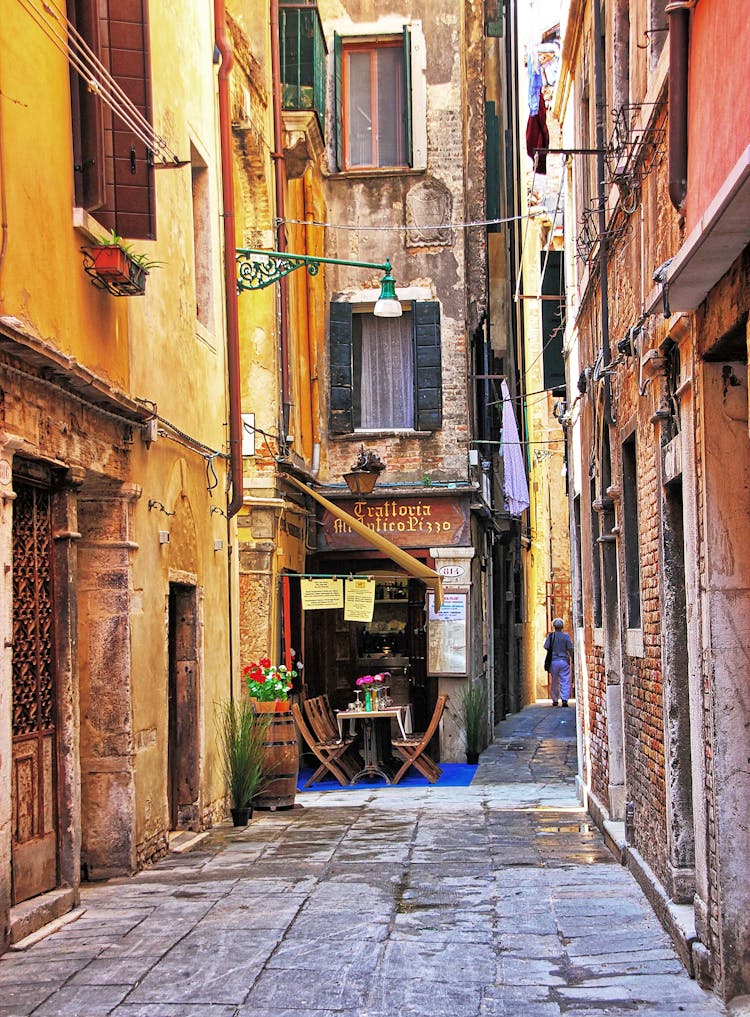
(497, 900)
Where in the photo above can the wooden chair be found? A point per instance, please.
(321, 717)
(322, 721)
(328, 751)
(412, 749)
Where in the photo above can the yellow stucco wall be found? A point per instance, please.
(150, 347)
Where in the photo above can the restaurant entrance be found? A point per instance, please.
(338, 651)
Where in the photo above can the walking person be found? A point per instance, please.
(559, 647)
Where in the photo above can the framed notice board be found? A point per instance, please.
(447, 634)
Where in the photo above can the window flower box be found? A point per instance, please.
(113, 267)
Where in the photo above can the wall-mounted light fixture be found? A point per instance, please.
(363, 476)
(257, 269)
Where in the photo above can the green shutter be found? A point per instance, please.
(408, 148)
(428, 415)
(341, 420)
(338, 101)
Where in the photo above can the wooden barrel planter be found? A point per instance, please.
(282, 759)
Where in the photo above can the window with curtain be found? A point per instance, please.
(372, 91)
(383, 359)
(385, 373)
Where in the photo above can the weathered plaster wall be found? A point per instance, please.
(450, 49)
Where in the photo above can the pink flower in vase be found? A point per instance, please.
(366, 679)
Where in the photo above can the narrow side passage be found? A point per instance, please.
(496, 900)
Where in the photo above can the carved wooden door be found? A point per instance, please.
(34, 770)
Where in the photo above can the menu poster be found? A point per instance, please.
(446, 635)
(321, 593)
(360, 600)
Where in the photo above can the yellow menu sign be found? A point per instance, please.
(321, 593)
(360, 600)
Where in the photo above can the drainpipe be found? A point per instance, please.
(3, 200)
(280, 174)
(679, 48)
(601, 199)
(230, 270)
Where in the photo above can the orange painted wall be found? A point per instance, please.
(718, 99)
(43, 284)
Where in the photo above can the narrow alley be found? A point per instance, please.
(493, 900)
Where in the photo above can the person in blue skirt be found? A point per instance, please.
(561, 663)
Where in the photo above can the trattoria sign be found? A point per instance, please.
(407, 522)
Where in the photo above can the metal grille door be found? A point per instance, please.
(34, 845)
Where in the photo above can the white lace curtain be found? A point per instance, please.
(387, 383)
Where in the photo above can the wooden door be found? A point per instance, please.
(34, 750)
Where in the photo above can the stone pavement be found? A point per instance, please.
(496, 900)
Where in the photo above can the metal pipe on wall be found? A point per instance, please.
(601, 199)
(678, 13)
(280, 179)
(224, 46)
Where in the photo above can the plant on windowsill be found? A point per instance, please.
(115, 267)
(268, 685)
(241, 739)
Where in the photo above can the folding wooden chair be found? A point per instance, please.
(327, 751)
(412, 749)
(322, 722)
(321, 717)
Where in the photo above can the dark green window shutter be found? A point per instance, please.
(492, 157)
(341, 418)
(428, 415)
(408, 148)
(338, 101)
(553, 329)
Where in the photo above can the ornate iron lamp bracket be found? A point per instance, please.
(257, 269)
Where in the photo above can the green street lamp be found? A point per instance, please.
(257, 269)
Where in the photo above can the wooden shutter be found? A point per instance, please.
(87, 116)
(117, 186)
(132, 170)
(338, 101)
(408, 147)
(341, 410)
(428, 385)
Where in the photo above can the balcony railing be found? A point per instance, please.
(303, 58)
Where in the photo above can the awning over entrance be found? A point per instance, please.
(397, 554)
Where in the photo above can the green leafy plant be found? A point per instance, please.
(111, 239)
(242, 734)
(474, 710)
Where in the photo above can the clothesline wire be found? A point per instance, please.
(402, 229)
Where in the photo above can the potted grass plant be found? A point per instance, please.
(474, 710)
(116, 267)
(241, 736)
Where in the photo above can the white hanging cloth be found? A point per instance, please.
(515, 482)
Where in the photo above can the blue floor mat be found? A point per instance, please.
(454, 775)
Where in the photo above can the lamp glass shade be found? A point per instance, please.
(360, 482)
(387, 304)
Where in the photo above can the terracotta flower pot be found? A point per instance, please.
(270, 706)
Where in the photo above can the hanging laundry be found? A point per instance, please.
(535, 80)
(537, 136)
(514, 470)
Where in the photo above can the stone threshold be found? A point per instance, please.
(36, 918)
